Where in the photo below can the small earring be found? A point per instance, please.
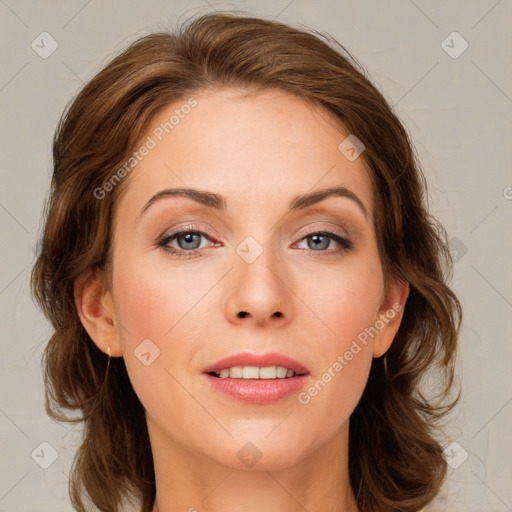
(108, 350)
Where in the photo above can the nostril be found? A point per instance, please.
(243, 314)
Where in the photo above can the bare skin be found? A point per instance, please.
(259, 152)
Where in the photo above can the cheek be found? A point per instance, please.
(346, 306)
(152, 302)
(345, 300)
(160, 313)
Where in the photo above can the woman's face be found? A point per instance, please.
(305, 272)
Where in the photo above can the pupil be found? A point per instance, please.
(189, 239)
(316, 240)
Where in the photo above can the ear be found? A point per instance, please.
(390, 315)
(96, 311)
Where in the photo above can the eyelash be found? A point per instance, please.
(345, 243)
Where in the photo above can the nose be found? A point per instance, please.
(258, 292)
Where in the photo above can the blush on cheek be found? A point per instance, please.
(147, 307)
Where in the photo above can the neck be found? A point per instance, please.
(192, 482)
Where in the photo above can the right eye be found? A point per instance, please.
(188, 240)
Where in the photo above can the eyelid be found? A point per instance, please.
(185, 229)
(207, 231)
(331, 229)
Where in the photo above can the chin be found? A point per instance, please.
(261, 453)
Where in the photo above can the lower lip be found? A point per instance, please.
(258, 391)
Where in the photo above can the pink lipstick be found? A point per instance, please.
(257, 379)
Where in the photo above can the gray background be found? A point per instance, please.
(457, 110)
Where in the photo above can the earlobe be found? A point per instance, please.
(390, 315)
(95, 309)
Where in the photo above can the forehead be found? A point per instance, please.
(247, 147)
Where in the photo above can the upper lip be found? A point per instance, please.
(260, 360)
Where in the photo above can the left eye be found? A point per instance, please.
(322, 240)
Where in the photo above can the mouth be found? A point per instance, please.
(248, 365)
(255, 372)
(257, 379)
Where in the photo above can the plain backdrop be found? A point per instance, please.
(444, 66)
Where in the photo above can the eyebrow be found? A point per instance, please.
(218, 202)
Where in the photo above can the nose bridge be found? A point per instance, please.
(257, 287)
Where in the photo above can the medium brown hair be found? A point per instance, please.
(395, 461)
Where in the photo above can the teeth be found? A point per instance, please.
(255, 372)
(282, 372)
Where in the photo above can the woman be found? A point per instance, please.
(244, 281)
